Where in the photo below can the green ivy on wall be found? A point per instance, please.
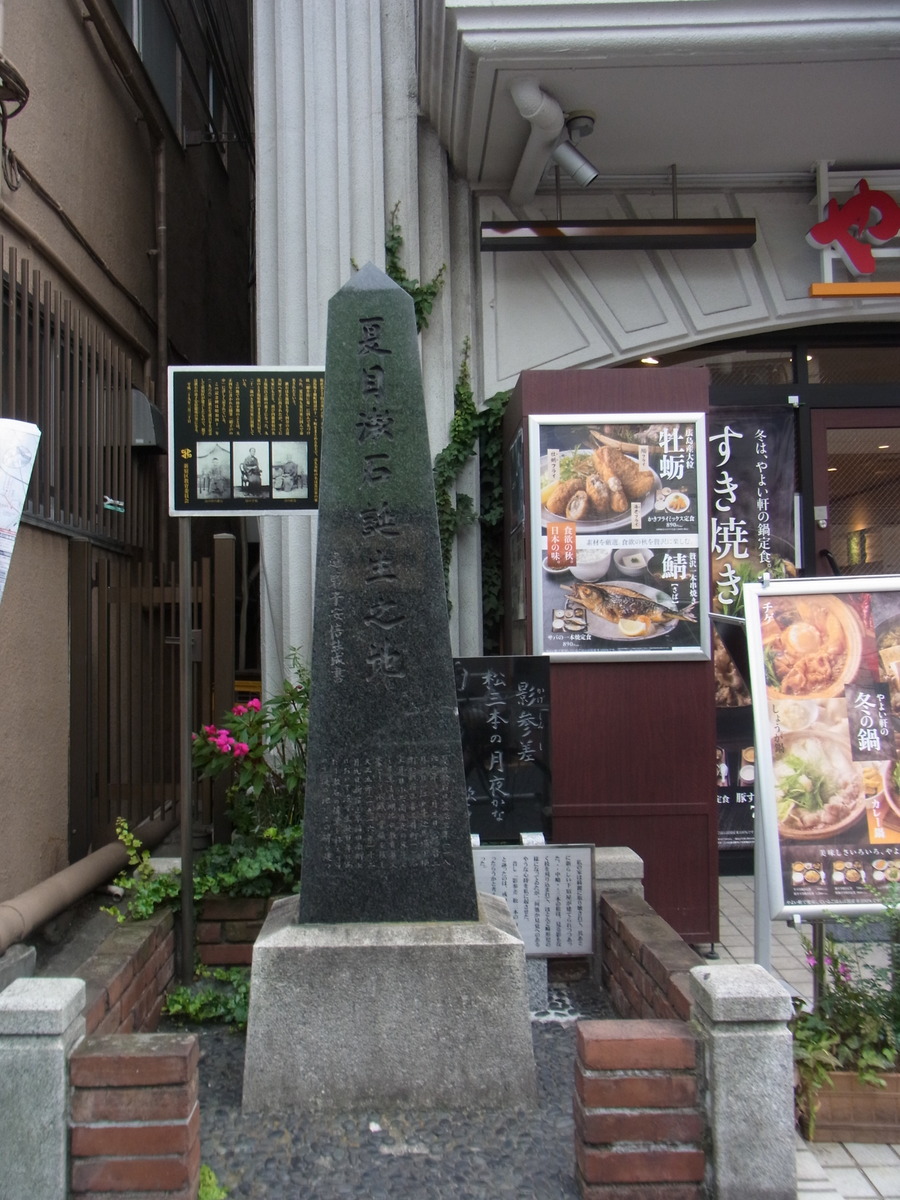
(423, 294)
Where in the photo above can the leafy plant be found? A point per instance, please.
(471, 430)
(146, 890)
(855, 1022)
(423, 294)
(262, 746)
(261, 864)
(209, 1185)
(450, 461)
(217, 994)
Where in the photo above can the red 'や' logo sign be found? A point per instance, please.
(868, 214)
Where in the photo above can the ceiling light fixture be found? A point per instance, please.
(650, 361)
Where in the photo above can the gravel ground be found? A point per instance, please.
(523, 1153)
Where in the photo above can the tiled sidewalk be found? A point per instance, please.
(826, 1170)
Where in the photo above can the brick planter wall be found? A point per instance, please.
(135, 1117)
(639, 1128)
(227, 927)
(644, 962)
(127, 977)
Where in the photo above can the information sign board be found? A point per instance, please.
(549, 892)
(244, 441)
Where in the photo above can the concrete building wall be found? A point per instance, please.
(563, 310)
(34, 712)
(80, 139)
(96, 151)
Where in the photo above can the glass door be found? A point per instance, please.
(856, 490)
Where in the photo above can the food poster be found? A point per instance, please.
(824, 655)
(619, 547)
(244, 440)
(751, 478)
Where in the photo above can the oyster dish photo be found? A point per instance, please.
(596, 488)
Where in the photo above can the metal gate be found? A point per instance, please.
(124, 685)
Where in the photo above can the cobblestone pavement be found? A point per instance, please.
(526, 1154)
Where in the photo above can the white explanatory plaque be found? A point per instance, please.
(18, 449)
(549, 892)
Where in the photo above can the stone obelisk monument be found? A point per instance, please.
(386, 833)
(389, 981)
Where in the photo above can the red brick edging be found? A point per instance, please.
(135, 1116)
(645, 963)
(227, 927)
(639, 1129)
(127, 976)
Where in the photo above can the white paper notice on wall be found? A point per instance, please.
(549, 893)
(18, 450)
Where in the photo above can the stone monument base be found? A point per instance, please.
(377, 1016)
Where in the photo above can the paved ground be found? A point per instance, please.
(525, 1154)
(464, 1156)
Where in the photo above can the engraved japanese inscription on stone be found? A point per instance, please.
(386, 829)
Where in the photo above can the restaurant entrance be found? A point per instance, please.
(847, 472)
(855, 456)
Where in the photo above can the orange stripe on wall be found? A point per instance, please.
(855, 289)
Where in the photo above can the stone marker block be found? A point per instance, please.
(741, 1014)
(40, 1022)
(352, 1017)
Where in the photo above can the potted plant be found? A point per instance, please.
(846, 1044)
(262, 746)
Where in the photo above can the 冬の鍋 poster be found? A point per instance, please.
(825, 678)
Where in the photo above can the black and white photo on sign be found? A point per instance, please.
(213, 470)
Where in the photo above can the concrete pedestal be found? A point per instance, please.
(377, 1016)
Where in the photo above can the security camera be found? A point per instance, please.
(574, 162)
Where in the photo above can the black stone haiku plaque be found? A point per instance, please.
(504, 719)
(386, 833)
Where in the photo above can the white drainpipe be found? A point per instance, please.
(547, 123)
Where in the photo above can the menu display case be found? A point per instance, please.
(632, 714)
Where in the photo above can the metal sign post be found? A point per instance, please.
(186, 779)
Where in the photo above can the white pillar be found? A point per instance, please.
(338, 144)
(320, 207)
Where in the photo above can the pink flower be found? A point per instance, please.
(810, 960)
(254, 704)
(240, 749)
(239, 710)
